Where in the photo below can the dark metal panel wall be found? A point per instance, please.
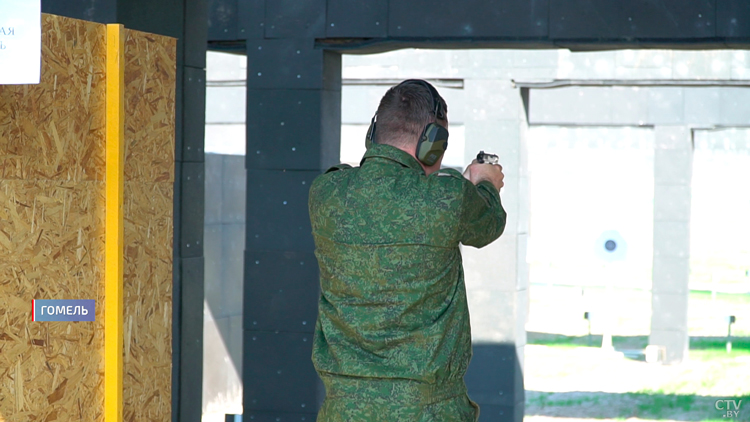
(733, 18)
(293, 129)
(277, 200)
(222, 20)
(470, 18)
(289, 63)
(363, 26)
(290, 148)
(288, 306)
(283, 379)
(102, 11)
(160, 17)
(495, 382)
(633, 19)
(189, 154)
(295, 19)
(357, 19)
(250, 19)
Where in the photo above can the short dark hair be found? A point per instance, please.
(403, 113)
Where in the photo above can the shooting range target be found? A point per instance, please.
(611, 246)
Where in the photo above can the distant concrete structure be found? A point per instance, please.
(675, 109)
(673, 165)
(504, 92)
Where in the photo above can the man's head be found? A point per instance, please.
(404, 112)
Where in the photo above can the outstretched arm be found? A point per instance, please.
(482, 216)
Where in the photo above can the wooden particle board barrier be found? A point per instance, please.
(150, 66)
(52, 227)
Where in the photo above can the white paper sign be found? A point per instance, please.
(20, 41)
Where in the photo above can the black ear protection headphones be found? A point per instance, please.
(434, 139)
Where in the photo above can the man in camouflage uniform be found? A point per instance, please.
(392, 341)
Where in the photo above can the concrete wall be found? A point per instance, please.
(719, 250)
(641, 106)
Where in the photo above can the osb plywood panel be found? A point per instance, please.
(149, 175)
(51, 247)
(55, 130)
(52, 228)
(150, 74)
(147, 302)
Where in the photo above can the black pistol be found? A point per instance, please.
(485, 158)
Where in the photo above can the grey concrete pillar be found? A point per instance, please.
(497, 275)
(673, 161)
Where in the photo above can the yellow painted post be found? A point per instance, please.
(113, 259)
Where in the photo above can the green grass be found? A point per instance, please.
(727, 297)
(658, 404)
(739, 344)
(544, 401)
(595, 340)
(704, 347)
(643, 404)
(560, 340)
(651, 403)
(684, 392)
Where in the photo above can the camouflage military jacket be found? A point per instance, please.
(393, 325)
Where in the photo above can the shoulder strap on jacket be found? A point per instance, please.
(449, 172)
(337, 167)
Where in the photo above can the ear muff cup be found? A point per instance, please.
(432, 144)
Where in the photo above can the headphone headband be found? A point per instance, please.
(436, 105)
(434, 139)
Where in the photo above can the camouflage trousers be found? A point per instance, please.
(350, 399)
